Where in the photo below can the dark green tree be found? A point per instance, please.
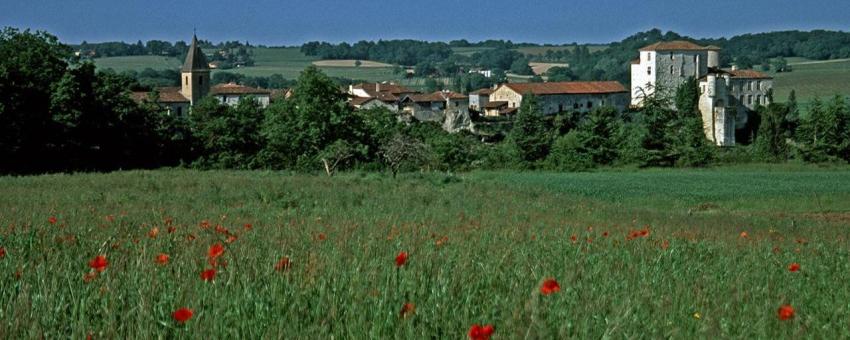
(529, 133)
(771, 141)
(228, 137)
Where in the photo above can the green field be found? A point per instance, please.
(819, 79)
(637, 254)
(138, 63)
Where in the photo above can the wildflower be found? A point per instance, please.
(190, 237)
(232, 238)
(52, 220)
(322, 237)
(283, 265)
(605, 234)
(248, 226)
(205, 224)
(99, 263)
(407, 309)
(215, 251)
(785, 312)
(549, 286)
(442, 241)
(182, 315)
(154, 231)
(477, 332)
(401, 259)
(171, 229)
(744, 234)
(162, 259)
(665, 244)
(168, 221)
(109, 218)
(574, 238)
(697, 316)
(2, 252)
(208, 275)
(794, 267)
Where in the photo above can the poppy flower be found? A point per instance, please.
(574, 238)
(182, 315)
(478, 332)
(442, 241)
(248, 226)
(168, 221)
(744, 234)
(215, 250)
(109, 218)
(401, 259)
(549, 286)
(283, 265)
(785, 312)
(232, 238)
(162, 259)
(52, 220)
(221, 230)
(605, 234)
(2, 252)
(208, 275)
(794, 267)
(190, 237)
(322, 237)
(154, 231)
(99, 263)
(407, 309)
(204, 224)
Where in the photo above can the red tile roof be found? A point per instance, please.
(576, 87)
(232, 88)
(357, 101)
(371, 88)
(678, 45)
(166, 95)
(749, 74)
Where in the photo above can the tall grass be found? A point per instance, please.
(480, 245)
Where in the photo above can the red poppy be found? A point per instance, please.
(605, 234)
(401, 259)
(407, 309)
(208, 275)
(168, 221)
(221, 230)
(744, 234)
(205, 224)
(190, 237)
(162, 259)
(322, 236)
(182, 315)
(549, 286)
(99, 263)
(171, 229)
(283, 264)
(2, 252)
(574, 238)
(52, 220)
(232, 238)
(109, 218)
(477, 332)
(215, 250)
(785, 312)
(442, 241)
(154, 231)
(248, 226)
(794, 267)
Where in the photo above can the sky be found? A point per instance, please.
(292, 22)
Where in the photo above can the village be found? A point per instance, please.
(727, 96)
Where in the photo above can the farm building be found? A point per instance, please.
(557, 97)
(726, 96)
(479, 99)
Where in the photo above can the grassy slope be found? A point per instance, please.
(505, 232)
(810, 80)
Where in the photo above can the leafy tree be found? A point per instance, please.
(520, 66)
(229, 137)
(595, 142)
(402, 150)
(558, 73)
(771, 140)
(824, 134)
(687, 96)
(529, 133)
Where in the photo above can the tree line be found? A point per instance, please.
(59, 115)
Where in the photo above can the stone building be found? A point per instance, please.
(195, 85)
(726, 97)
(446, 107)
(479, 99)
(555, 97)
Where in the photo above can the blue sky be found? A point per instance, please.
(290, 22)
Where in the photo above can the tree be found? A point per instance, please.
(529, 133)
(824, 134)
(520, 66)
(771, 140)
(229, 137)
(594, 142)
(687, 97)
(334, 155)
(401, 150)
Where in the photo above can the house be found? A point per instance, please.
(195, 85)
(365, 103)
(446, 107)
(726, 96)
(555, 97)
(384, 91)
(479, 99)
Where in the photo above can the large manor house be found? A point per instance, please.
(727, 96)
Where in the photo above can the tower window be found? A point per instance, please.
(201, 80)
(186, 80)
(671, 68)
(649, 70)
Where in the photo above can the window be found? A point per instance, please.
(649, 70)
(179, 110)
(749, 86)
(741, 99)
(750, 100)
(589, 104)
(672, 57)
(648, 56)
(201, 80)
(758, 85)
(575, 105)
(671, 69)
(560, 107)
(758, 99)
(702, 90)
(186, 80)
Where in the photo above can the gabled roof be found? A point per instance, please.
(568, 87)
(484, 92)
(749, 74)
(166, 95)
(439, 96)
(233, 88)
(195, 59)
(678, 45)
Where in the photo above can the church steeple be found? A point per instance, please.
(195, 73)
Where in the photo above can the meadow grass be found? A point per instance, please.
(824, 80)
(479, 245)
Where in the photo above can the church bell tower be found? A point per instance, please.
(195, 74)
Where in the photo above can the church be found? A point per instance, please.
(727, 97)
(195, 84)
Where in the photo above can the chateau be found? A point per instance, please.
(195, 84)
(726, 96)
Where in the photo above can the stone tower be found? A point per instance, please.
(195, 74)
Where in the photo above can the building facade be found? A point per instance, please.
(726, 97)
(558, 97)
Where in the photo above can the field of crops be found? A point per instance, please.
(754, 252)
(823, 79)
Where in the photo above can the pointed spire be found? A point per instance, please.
(195, 59)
